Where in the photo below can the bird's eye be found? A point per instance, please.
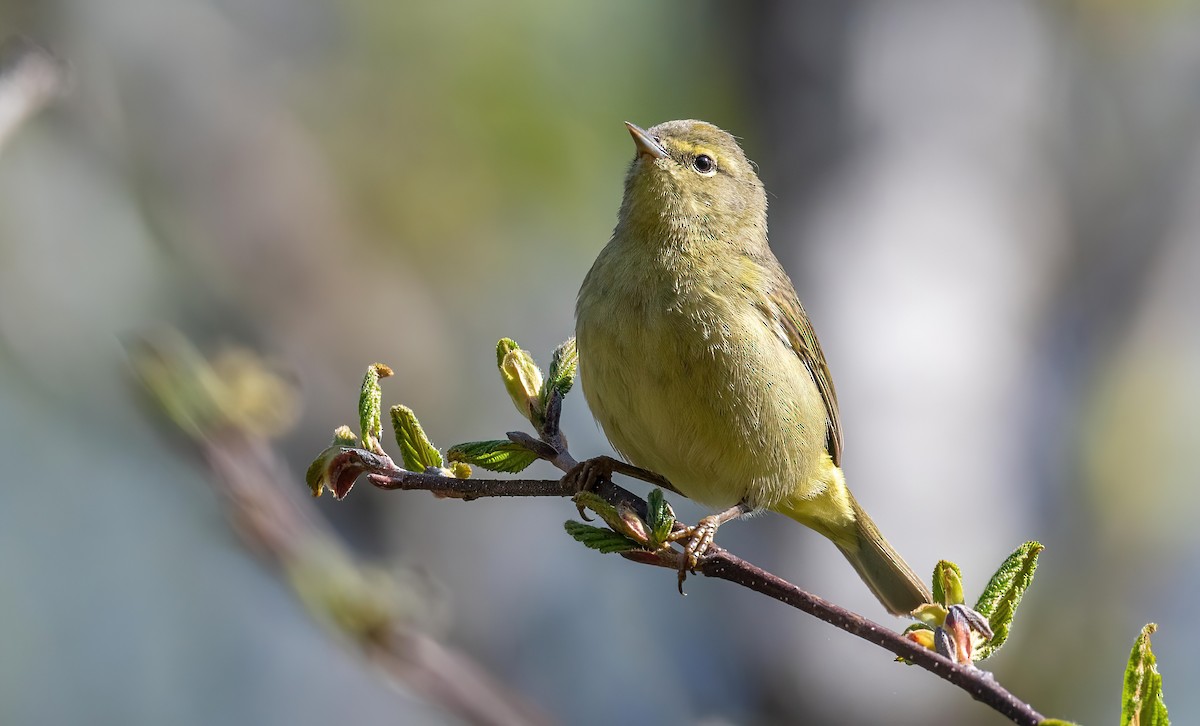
(704, 164)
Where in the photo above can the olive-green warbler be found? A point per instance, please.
(698, 361)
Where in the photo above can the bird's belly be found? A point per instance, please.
(726, 414)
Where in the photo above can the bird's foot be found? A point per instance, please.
(699, 539)
(588, 475)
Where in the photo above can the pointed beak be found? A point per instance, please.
(646, 145)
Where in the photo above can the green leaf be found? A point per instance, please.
(503, 348)
(1056, 722)
(1142, 699)
(922, 635)
(598, 538)
(947, 583)
(502, 455)
(317, 475)
(1000, 598)
(329, 468)
(419, 454)
(369, 403)
(561, 376)
(932, 614)
(598, 504)
(659, 516)
(337, 467)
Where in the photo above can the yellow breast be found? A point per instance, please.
(689, 380)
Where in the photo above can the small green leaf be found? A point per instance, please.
(659, 516)
(598, 538)
(922, 636)
(622, 518)
(369, 403)
(598, 504)
(1056, 722)
(561, 376)
(460, 470)
(418, 453)
(1000, 598)
(932, 614)
(1142, 699)
(502, 455)
(329, 468)
(337, 467)
(316, 476)
(503, 348)
(947, 583)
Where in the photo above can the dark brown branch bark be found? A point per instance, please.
(468, 489)
(720, 564)
(981, 685)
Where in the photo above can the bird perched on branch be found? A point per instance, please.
(698, 361)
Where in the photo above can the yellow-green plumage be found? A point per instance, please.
(698, 361)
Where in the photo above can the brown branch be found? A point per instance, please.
(717, 563)
(469, 489)
(981, 685)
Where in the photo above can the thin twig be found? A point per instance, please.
(717, 563)
(468, 489)
(980, 684)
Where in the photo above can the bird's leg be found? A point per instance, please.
(589, 474)
(700, 538)
(637, 472)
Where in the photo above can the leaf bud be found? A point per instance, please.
(523, 381)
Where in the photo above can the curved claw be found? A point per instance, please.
(697, 540)
(587, 476)
(700, 538)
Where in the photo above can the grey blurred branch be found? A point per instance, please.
(262, 503)
(30, 76)
(718, 563)
(231, 406)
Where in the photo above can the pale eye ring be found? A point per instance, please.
(704, 164)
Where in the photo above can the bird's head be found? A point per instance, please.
(691, 181)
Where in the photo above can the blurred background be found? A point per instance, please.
(989, 210)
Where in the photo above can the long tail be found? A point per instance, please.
(882, 568)
(837, 515)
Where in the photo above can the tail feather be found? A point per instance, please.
(883, 570)
(836, 515)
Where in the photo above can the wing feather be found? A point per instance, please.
(782, 307)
